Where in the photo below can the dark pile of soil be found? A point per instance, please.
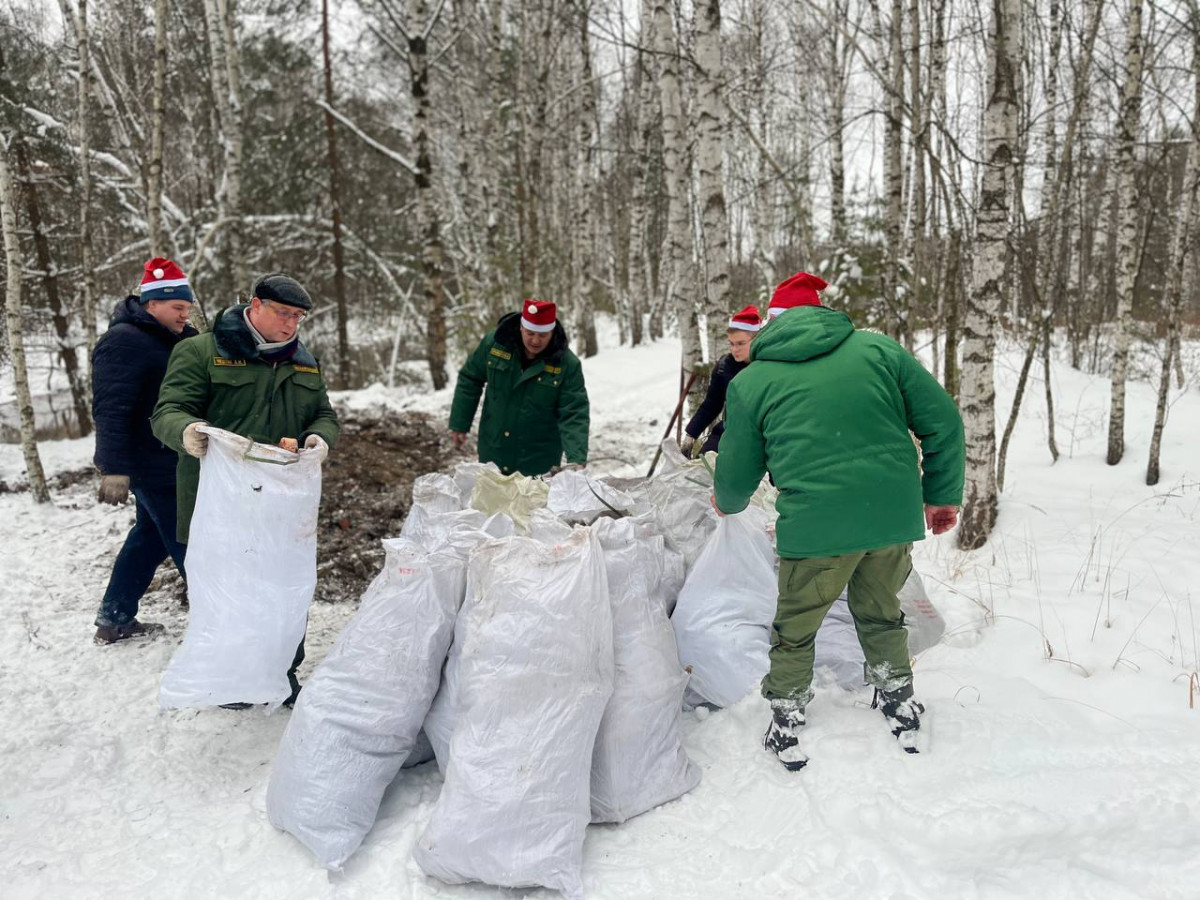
(55, 483)
(367, 490)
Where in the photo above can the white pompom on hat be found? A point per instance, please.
(538, 315)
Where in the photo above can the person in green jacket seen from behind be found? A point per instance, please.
(251, 375)
(832, 413)
(535, 406)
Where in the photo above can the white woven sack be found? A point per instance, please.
(535, 673)
(358, 717)
(252, 569)
(837, 647)
(576, 497)
(639, 761)
(723, 618)
(432, 495)
(680, 504)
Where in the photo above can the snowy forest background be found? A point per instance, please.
(961, 172)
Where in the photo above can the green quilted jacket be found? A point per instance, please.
(828, 411)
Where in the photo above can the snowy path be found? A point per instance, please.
(1064, 761)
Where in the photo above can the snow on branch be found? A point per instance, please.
(368, 140)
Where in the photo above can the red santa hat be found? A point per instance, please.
(538, 315)
(164, 280)
(746, 319)
(799, 290)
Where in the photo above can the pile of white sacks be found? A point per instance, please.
(540, 649)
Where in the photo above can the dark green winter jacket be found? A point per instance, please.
(827, 410)
(531, 414)
(218, 377)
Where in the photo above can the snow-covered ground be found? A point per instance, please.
(1064, 760)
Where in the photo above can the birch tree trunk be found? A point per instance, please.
(1053, 222)
(762, 205)
(1182, 262)
(891, 42)
(16, 340)
(919, 154)
(154, 181)
(977, 397)
(710, 154)
(335, 211)
(677, 177)
(48, 269)
(226, 80)
(87, 280)
(584, 175)
(639, 214)
(1101, 269)
(836, 76)
(935, 110)
(1128, 248)
(234, 144)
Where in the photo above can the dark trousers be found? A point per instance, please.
(293, 681)
(150, 541)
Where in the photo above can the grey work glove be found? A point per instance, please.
(688, 447)
(114, 489)
(194, 442)
(317, 443)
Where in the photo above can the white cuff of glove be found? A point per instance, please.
(194, 442)
(317, 443)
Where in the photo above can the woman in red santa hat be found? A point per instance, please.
(744, 324)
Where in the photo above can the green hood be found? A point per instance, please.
(802, 333)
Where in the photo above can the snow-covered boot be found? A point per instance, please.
(787, 718)
(903, 714)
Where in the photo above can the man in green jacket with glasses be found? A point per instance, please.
(535, 407)
(832, 414)
(251, 375)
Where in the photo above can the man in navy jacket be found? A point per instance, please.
(128, 365)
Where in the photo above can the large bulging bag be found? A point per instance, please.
(252, 569)
(359, 716)
(577, 498)
(639, 761)
(433, 495)
(723, 617)
(680, 504)
(535, 672)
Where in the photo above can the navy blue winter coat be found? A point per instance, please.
(128, 366)
(714, 401)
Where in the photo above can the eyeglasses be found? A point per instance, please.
(296, 317)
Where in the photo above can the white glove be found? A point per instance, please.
(317, 443)
(194, 442)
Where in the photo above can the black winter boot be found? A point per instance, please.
(903, 714)
(111, 634)
(787, 718)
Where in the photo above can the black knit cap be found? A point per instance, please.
(282, 289)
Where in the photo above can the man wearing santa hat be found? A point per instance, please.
(535, 404)
(743, 326)
(128, 365)
(832, 414)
